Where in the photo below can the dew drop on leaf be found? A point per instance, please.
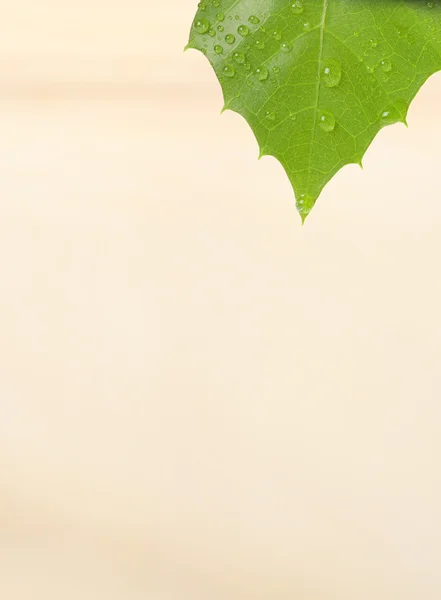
(331, 73)
(230, 39)
(261, 73)
(239, 57)
(243, 30)
(297, 7)
(254, 20)
(228, 71)
(326, 120)
(202, 25)
(386, 65)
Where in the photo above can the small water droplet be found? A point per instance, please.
(243, 30)
(386, 65)
(297, 7)
(326, 121)
(229, 38)
(260, 44)
(228, 71)
(254, 20)
(261, 73)
(277, 35)
(285, 47)
(331, 72)
(218, 49)
(220, 16)
(211, 32)
(276, 70)
(220, 27)
(239, 58)
(270, 115)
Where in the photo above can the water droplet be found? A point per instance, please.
(326, 120)
(243, 30)
(229, 38)
(216, 3)
(239, 58)
(220, 27)
(395, 112)
(304, 204)
(201, 25)
(261, 73)
(430, 3)
(276, 70)
(228, 71)
(218, 49)
(270, 115)
(220, 16)
(386, 65)
(373, 43)
(285, 47)
(277, 35)
(211, 32)
(297, 7)
(331, 73)
(260, 44)
(254, 20)
(307, 26)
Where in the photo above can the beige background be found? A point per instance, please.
(199, 398)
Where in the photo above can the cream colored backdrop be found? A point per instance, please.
(199, 398)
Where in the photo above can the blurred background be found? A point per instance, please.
(199, 398)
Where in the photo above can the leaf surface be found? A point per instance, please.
(317, 79)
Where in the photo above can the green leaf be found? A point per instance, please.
(317, 79)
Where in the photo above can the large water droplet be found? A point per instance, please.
(254, 20)
(243, 30)
(331, 73)
(229, 38)
(326, 120)
(201, 25)
(218, 49)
